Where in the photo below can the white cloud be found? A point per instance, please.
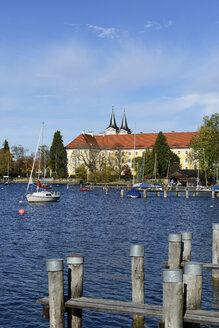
(153, 24)
(177, 112)
(104, 32)
(156, 25)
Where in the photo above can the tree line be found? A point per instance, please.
(15, 162)
(160, 162)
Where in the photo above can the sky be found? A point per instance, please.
(66, 63)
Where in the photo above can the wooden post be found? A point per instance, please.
(173, 298)
(158, 193)
(175, 250)
(194, 194)
(145, 193)
(213, 194)
(165, 193)
(192, 280)
(187, 193)
(122, 193)
(215, 249)
(178, 194)
(187, 246)
(75, 280)
(67, 186)
(137, 265)
(56, 293)
(107, 190)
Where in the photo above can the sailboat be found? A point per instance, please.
(43, 192)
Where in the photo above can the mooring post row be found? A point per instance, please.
(55, 268)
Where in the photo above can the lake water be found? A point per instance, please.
(101, 227)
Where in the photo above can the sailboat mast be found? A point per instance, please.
(134, 159)
(34, 161)
(155, 165)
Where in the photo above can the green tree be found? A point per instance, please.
(161, 153)
(147, 171)
(58, 156)
(164, 157)
(81, 173)
(127, 174)
(19, 156)
(6, 146)
(206, 145)
(166, 160)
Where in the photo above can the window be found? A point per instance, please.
(186, 160)
(123, 153)
(129, 153)
(178, 152)
(136, 153)
(186, 167)
(186, 152)
(129, 160)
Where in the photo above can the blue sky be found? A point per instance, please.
(68, 62)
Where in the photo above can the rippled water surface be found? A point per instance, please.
(101, 227)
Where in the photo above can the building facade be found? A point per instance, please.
(118, 146)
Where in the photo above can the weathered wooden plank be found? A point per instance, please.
(201, 319)
(120, 307)
(115, 302)
(155, 311)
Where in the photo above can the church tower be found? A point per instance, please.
(124, 126)
(112, 128)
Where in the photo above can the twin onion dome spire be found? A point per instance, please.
(114, 129)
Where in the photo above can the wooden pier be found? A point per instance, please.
(187, 191)
(179, 308)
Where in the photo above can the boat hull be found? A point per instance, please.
(43, 197)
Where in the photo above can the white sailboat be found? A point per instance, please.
(43, 193)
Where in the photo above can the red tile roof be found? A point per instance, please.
(142, 140)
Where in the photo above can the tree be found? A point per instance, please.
(6, 146)
(206, 145)
(19, 156)
(161, 153)
(81, 173)
(58, 156)
(127, 174)
(166, 160)
(147, 170)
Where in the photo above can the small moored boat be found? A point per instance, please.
(133, 193)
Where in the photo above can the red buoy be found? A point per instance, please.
(21, 211)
